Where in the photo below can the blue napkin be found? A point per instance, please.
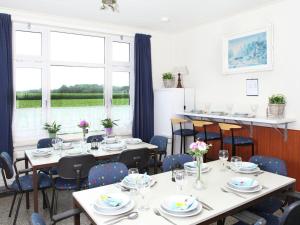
(110, 201)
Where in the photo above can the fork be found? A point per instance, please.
(227, 191)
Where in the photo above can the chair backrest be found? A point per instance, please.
(97, 138)
(291, 215)
(228, 126)
(108, 173)
(37, 219)
(6, 164)
(45, 143)
(270, 164)
(137, 158)
(201, 123)
(75, 167)
(161, 142)
(172, 160)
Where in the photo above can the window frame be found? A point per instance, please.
(44, 62)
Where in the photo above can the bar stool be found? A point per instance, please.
(234, 140)
(182, 132)
(204, 135)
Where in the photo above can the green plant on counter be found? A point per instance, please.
(108, 123)
(52, 128)
(167, 76)
(277, 99)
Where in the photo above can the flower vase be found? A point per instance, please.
(199, 183)
(108, 131)
(84, 132)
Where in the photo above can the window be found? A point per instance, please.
(67, 76)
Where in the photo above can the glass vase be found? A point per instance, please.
(198, 182)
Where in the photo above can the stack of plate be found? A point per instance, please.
(112, 204)
(191, 167)
(133, 141)
(76, 151)
(244, 185)
(181, 206)
(42, 152)
(110, 140)
(131, 180)
(245, 167)
(119, 146)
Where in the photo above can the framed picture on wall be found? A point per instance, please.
(248, 52)
(252, 87)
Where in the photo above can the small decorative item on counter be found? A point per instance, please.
(84, 125)
(94, 144)
(276, 106)
(168, 80)
(108, 124)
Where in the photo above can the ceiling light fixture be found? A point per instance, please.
(112, 4)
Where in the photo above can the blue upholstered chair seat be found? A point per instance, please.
(271, 219)
(27, 184)
(52, 171)
(67, 184)
(238, 140)
(185, 132)
(171, 160)
(209, 135)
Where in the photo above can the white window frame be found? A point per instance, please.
(44, 62)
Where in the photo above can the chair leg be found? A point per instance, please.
(172, 145)
(233, 150)
(52, 203)
(184, 145)
(180, 144)
(44, 200)
(12, 204)
(252, 148)
(18, 208)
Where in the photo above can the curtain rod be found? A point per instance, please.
(72, 28)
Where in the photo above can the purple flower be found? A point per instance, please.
(83, 124)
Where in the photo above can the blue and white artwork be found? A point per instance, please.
(248, 51)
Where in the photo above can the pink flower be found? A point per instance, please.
(193, 146)
(83, 124)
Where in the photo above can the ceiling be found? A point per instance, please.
(146, 14)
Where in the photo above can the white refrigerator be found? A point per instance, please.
(168, 102)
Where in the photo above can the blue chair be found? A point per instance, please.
(172, 160)
(182, 132)
(72, 175)
(37, 219)
(22, 183)
(97, 138)
(234, 140)
(161, 142)
(272, 165)
(291, 216)
(105, 174)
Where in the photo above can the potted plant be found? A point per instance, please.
(276, 106)
(84, 125)
(168, 80)
(108, 125)
(52, 129)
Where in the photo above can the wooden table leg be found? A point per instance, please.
(35, 190)
(27, 193)
(77, 216)
(155, 161)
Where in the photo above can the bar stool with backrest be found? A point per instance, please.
(182, 132)
(234, 140)
(204, 135)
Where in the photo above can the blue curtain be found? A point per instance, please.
(6, 84)
(143, 118)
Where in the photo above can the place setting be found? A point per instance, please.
(238, 166)
(191, 167)
(113, 144)
(133, 141)
(42, 152)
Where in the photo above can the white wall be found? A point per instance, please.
(201, 50)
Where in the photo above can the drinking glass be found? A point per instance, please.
(223, 156)
(236, 162)
(134, 171)
(143, 187)
(180, 178)
(254, 108)
(83, 146)
(54, 143)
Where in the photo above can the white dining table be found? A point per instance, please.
(38, 163)
(223, 204)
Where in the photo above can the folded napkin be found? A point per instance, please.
(248, 166)
(110, 201)
(181, 205)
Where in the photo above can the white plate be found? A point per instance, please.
(73, 152)
(110, 141)
(257, 189)
(123, 210)
(123, 198)
(106, 148)
(40, 153)
(132, 186)
(239, 183)
(248, 166)
(191, 167)
(179, 198)
(183, 215)
(133, 141)
(233, 168)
